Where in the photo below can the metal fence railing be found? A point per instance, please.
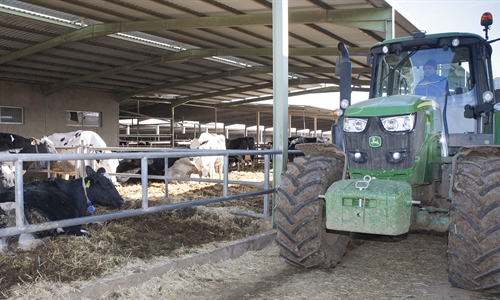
(143, 155)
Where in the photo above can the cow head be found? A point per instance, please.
(195, 144)
(17, 143)
(100, 189)
(45, 145)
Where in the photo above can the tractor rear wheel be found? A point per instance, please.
(300, 214)
(473, 248)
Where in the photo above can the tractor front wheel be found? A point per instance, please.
(300, 214)
(473, 248)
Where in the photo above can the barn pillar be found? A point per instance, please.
(215, 127)
(315, 118)
(390, 26)
(259, 140)
(172, 142)
(280, 88)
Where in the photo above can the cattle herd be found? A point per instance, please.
(55, 198)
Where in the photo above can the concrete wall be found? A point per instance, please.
(44, 115)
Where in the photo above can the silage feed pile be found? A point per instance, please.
(131, 244)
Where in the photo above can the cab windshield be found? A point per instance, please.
(437, 74)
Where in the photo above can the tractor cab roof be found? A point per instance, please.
(421, 40)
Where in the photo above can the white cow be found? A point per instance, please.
(209, 165)
(74, 139)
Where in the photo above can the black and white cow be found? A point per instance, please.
(75, 139)
(243, 143)
(13, 143)
(156, 166)
(53, 199)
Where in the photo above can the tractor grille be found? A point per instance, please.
(376, 157)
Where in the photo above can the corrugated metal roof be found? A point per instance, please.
(209, 60)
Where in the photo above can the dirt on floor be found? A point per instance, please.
(374, 268)
(139, 240)
(411, 266)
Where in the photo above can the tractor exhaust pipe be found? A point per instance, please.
(345, 76)
(345, 95)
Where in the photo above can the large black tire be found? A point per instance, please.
(300, 217)
(474, 233)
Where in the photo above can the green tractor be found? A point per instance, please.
(420, 154)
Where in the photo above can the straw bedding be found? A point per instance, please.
(123, 244)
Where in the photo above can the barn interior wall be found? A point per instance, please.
(44, 115)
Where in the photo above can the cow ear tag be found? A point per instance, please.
(33, 142)
(88, 184)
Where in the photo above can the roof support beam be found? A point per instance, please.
(184, 100)
(239, 72)
(371, 18)
(329, 89)
(190, 54)
(171, 58)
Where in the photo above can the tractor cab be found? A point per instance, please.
(452, 69)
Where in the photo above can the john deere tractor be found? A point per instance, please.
(419, 154)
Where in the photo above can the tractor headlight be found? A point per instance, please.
(344, 103)
(396, 156)
(403, 123)
(488, 97)
(359, 156)
(355, 125)
(496, 107)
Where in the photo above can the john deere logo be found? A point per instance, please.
(375, 141)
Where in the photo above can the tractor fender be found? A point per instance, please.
(325, 149)
(321, 149)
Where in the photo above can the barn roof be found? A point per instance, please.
(213, 54)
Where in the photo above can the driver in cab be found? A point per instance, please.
(432, 84)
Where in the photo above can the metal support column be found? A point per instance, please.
(390, 27)
(280, 87)
(315, 118)
(172, 135)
